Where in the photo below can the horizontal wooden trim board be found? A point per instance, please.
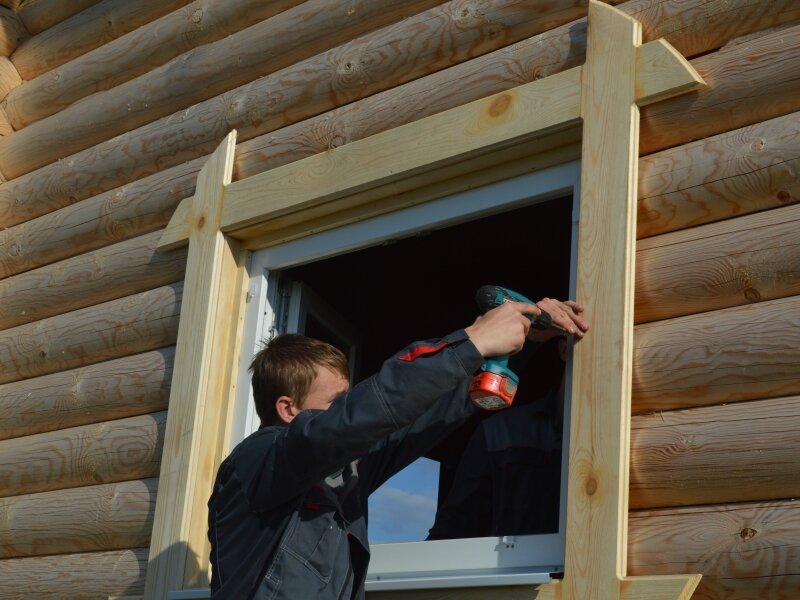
(39, 15)
(83, 575)
(431, 40)
(730, 355)
(123, 269)
(105, 452)
(715, 266)
(216, 62)
(12, 31)
(698, 456)
(113, 329)
(125, 387)
(85, 519)
(745, 551)
(726, 175)
(83, 32)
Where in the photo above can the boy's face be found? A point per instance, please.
(328, 386)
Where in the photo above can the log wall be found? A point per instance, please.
(108, 112)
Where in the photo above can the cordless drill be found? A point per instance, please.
(495, 385)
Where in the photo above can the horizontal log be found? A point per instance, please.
(84, 576)
(120, 214)
(125, 387)
(106, 452)
(744, 551)
(12, 31)
(255, 49)
(747, 83)
(142, 152)
(39, 15)
(9, 78)
(413, 47)
(731, 453)
(138, 323)
(97, 517)
(729, 174)
(729, 355)
(85, 31)
(739, 261)
(111, 272)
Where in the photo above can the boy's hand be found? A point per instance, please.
(502, 330)
(566, 317)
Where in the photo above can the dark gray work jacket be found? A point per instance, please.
(288, 513)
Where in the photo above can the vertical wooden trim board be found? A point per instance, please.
(518, 127)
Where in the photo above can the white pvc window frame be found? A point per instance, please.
(528, 559)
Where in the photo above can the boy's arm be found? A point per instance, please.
(317, 443)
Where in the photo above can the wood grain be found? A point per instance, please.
(141, 153)
(216, 62)
(726, 175)
(83, 32)
(745, 551)
(9, 78)
(125, 387)
(698, 456)
(133, 324)
(747, 83)
(729, 355)
(86, 519)
(39, 15)
(111, 272)
(421, 44)
(740, 261)
(83, 576)
(12, 31)
(120, 214)
(11, 4)
(106, 452)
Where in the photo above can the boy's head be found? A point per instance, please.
(294, 372)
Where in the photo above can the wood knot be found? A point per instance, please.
(500, 105)
(752, 294)
(591, 486)
(747, 533)
(201, 222)
(197, 16)
(758, 145)
(783, 196)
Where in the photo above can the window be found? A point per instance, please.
(424, 264)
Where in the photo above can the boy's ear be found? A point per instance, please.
(286, 410)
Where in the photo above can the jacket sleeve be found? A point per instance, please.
(318, 443)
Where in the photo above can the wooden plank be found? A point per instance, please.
(201, 389)
(740, 261)
(237, 43)
(9, 78)
(656, 75)
(598, 474)
(84, 575)
(12, 31)
(145, 321)
(726, 175)
(125, 387)
(84, 31)
(462, 133)
(715, 454)
(141, 153)
(730, 355)
(86, 519)
(111, 217)
(112, 272)
(767, 68)
(39, 15)
(515, 592)
(106, 452)
(748, 550)
(400, 52)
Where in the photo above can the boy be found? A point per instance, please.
(288, 514)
